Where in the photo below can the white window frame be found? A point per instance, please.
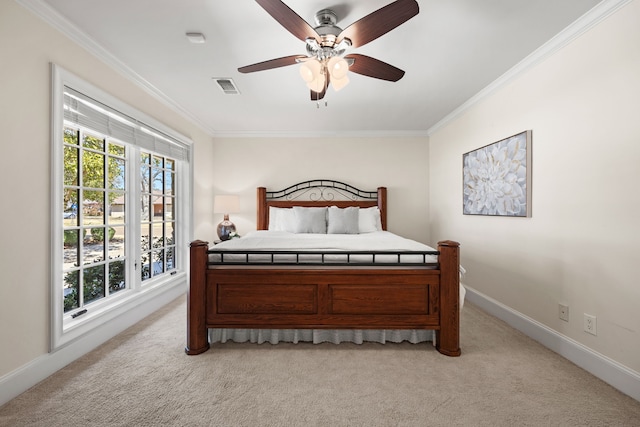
(64, 328)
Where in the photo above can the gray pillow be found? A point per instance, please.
(370, 220)
(310, 220)
(343, 221)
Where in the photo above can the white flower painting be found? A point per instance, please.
(496, 178)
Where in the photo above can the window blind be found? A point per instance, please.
(90, 113)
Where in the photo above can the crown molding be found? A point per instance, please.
(324, 134)
(60, 23)
(583, 24)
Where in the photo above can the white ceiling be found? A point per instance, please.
(450, 51)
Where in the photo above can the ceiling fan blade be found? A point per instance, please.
(288, 19)
(380, 22)
(371, 67)
(272, 63)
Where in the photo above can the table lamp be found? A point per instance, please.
(226, 204)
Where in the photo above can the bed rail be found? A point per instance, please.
(333, 258)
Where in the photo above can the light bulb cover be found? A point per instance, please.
(318, 84)
(339, 83)
(310, 70)
(338, 67)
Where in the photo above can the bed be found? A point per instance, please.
(246, 284)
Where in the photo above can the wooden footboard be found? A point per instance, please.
(324, 297)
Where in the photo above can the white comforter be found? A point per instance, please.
(281, 240)
(308, 242)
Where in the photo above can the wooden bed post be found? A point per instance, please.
(197, 339)
(448, 337)
(262, 220)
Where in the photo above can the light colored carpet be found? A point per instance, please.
(143, 378)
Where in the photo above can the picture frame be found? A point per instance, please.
(496, 178)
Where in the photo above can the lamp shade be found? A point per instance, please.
(226, 204)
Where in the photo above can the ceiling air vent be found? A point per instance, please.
(227, 86)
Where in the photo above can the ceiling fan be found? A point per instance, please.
(325, 62)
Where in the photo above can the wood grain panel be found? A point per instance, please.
(383, 299)
(266, 299)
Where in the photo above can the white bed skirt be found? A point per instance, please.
(317, 336)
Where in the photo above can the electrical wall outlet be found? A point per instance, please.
(590, 325)
(563, 312)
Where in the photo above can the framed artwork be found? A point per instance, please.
(497, 178)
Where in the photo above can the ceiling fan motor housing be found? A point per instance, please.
(326, 20)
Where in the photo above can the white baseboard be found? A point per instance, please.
(619, 376)
(25, 377)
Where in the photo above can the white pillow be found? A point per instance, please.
(282, 219)
(310, 220)
(369, 220)
(343, 221)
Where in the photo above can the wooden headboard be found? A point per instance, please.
(319, 193)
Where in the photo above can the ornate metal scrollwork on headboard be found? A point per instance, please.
(322, 190)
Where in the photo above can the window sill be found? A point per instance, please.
(74, 328)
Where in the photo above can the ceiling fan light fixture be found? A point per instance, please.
(318, 84)
(339, 83)
(310, 70)
(338, 67)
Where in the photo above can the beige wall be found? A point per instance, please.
(581, 245)
(27, 47)
(242, 164)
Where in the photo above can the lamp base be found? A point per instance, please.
(225, 228)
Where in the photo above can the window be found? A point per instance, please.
(120, 185)
(157, 177)
(93, 237)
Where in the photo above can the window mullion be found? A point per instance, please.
(105, 221)
(80, 215)
(133, 217)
